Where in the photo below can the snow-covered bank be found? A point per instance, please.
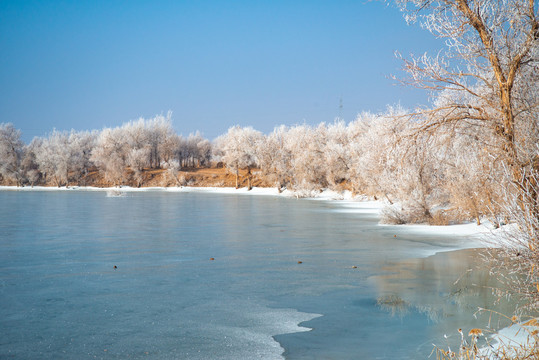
(472, 235)
(513, 341)
(478, 235)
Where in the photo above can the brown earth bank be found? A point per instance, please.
(196, 177)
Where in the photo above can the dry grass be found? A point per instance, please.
(496, 346)
(394, 216)
(439, 218)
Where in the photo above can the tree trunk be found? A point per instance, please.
(249, 179)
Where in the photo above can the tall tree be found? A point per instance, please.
(274, 158)
(110, 154)
(237, 149)
(11, 151)
(488, 79)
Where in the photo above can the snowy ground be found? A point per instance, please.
(513, 340)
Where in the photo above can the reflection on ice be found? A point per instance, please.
(438, 273)
(116, 193)
(440, 296)
(394, 305)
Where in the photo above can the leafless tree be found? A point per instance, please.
(306, 144)
(11, 151)
(29, 163)
(53, 157)
(275, 158)
(194, 151)
(204, 151)
(160, 138)
(80, 145)
(488, 76)
(237, 149)
(64, 156)
(488, 79)
(337, 153)
(110, 154)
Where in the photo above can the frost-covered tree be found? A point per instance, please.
(53, 157)
(160, 132)
(306, 144)
(137, 147)
(417, 164)
(372, 148)
(29, 163)
(471, 175)
(168, 148)
(137, 159)
(194, 151)
(275, 158)
(204, 151)
(80, 145)
(136, 136)
(156, 135)
(11, 152)
(488, 77)
(64, 156)
(140, 144)
(337, 153)
(367, 148)
(237, 150)
(110, 154)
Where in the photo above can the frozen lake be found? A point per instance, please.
(62, 298)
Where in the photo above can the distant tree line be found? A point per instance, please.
(426, 177)
(120, 153)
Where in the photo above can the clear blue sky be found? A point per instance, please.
(90, 64)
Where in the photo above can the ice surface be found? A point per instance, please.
(62, 298)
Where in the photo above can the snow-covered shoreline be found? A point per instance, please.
(513, 339)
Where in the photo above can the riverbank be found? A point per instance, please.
(216, 176)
